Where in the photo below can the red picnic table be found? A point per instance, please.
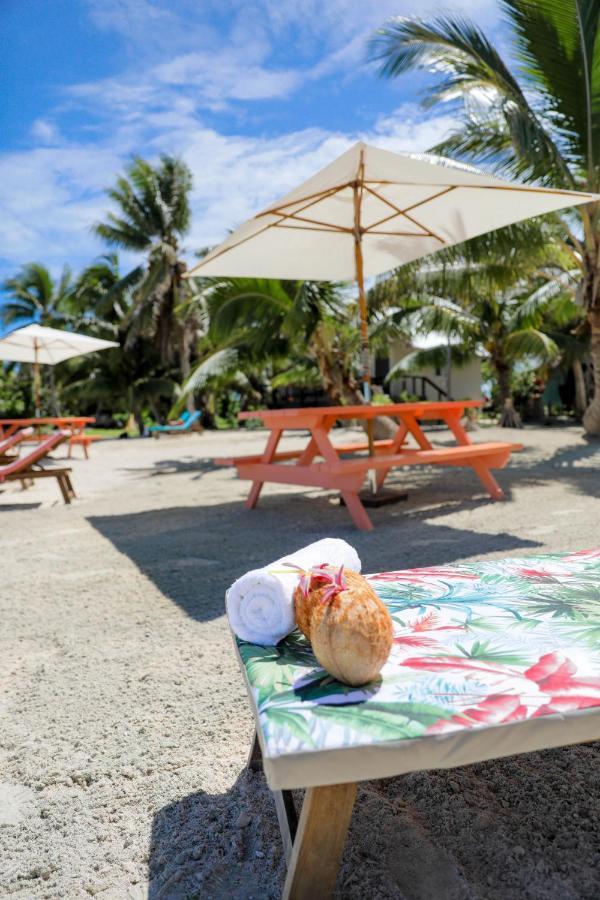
(344, 467)
(75, 425)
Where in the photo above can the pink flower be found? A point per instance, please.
(309, 580)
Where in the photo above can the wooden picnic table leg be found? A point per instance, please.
(360, 516)
(452, 420)
(267, 457)
(354, 505)
(399, 439)
(409, 420)
(454, 424)
(319, 843)
(488, 481)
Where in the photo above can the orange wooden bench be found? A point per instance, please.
(82, 440)
(347, 475)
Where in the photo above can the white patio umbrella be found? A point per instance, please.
(370, 211)
(39, 345)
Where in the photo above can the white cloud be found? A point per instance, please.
(45, 132)
(52, 196)
(179, 66)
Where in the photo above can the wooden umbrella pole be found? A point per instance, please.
(362, 305)
(36, 379)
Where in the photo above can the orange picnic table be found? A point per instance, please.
(344, 467)
(74, 425)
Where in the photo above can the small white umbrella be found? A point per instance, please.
(39, 345)
(370, 211)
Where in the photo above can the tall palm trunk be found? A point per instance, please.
(509, 417)
(185, 352)
(580, 401)
(591, 418)
(54, 401)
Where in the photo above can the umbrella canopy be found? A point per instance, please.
(37, 344)
(49, 346)
(370, 211)
(399, 207)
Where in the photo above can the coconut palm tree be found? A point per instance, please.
(488, 294)
(537, 119)
(289, 324)
(153, 215)
(34, 295)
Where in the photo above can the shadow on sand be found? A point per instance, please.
(193, 554)
(499, 830)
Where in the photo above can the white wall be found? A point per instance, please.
(465, 381)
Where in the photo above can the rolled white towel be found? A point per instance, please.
(260, 604)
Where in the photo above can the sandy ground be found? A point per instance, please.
(124, 725)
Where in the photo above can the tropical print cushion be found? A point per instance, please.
(475, 645)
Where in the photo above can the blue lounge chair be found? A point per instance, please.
(187, 421)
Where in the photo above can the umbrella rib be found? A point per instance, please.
(380, 221)
(488, 187)
(427, 232)
(328, 229)
(407, 234)
(446, 190)
(314, 198)
(223, 250)
(328, 226)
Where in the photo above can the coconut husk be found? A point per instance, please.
(351, 633)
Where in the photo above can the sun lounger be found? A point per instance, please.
(489, 660)
(27, 468)
(188, 420)
(13, 441)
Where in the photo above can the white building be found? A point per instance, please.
(458, 383)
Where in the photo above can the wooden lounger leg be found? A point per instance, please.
(360, 517)
(319, 843)
(70, 487)
(63, 488)
(488, 481)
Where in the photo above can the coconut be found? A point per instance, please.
(349, 627)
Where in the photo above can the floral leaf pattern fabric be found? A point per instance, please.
(475, 645)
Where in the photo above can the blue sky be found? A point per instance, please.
(255, 95)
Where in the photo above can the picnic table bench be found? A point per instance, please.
(489, 659)
(74, 425)
(337, 471)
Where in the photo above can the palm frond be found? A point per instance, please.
(533, 344)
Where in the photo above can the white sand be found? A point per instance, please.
(125, 727)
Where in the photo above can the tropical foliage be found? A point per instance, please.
(492, 295)
(537, 119)
(230, 344)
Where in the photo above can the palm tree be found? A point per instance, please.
(539, 121)
(153, 215)
(289, 324)
(34, 295)
(135, 380)
(481, 293)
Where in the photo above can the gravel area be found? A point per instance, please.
(124, 725)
